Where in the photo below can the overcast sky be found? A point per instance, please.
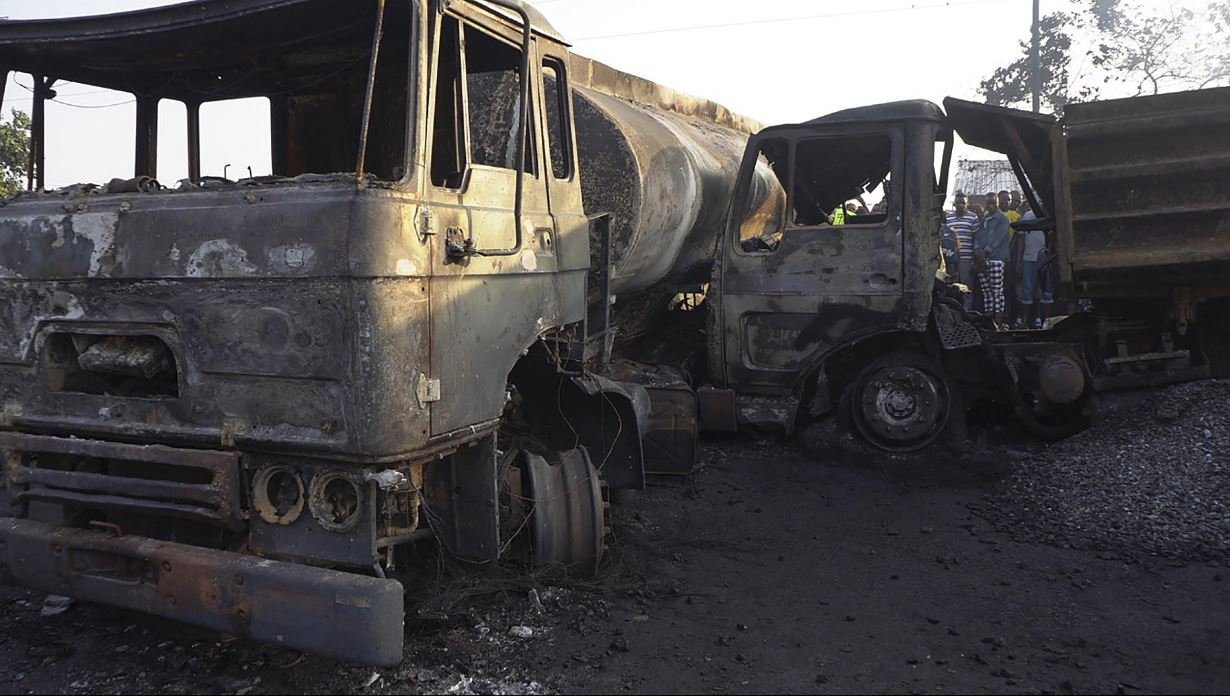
(773, 60)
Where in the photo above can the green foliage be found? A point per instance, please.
(14, 153)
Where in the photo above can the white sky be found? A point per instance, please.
(824, 56)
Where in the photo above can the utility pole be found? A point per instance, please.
(1035, 59)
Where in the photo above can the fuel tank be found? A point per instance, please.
(664, 165)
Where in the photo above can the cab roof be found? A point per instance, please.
(209, 50)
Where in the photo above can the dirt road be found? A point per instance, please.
(767, 571)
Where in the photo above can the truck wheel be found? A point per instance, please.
(568, 519)
(900, 403)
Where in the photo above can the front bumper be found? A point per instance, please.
(340, 615)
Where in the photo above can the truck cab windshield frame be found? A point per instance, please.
(316, 84)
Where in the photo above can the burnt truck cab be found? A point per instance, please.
(816, 311)
(229, 402)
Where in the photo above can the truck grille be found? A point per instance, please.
(192, 484)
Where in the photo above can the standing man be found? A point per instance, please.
(1007, 208)
(962, 223)
(991, 247)
(1035, 276)
(1017, 203)
(1011, 271)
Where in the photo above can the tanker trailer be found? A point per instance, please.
(663, 166)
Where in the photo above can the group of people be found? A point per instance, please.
(1006, 265)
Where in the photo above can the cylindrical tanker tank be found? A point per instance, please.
(667, 179)
(664, 164)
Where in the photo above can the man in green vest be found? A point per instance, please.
(839, 216)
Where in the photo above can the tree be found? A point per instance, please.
(1010, 85)
(14, 153)
(1174, 49)
(1130, 51)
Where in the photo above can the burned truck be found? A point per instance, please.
(235, 402)
(811, 320)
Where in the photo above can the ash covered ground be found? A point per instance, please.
(1096, 565)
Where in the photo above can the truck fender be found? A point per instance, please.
(610, 419)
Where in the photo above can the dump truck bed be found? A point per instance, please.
(1148, 194)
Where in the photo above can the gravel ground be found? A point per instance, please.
(1152, 479)
(768, 571)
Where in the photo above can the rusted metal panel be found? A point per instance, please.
(215, 500)
(1149, 182)
(340, 615)
(1064, 239)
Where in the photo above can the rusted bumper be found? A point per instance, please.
(340, 615)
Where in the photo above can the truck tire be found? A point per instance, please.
(901, 402)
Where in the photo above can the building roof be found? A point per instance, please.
(979, 177)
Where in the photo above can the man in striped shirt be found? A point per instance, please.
(963, 223)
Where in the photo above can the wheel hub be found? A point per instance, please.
(902, 408)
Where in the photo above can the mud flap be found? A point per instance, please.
(462, 501)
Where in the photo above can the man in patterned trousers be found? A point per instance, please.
(992, 244)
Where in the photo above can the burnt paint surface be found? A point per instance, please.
(298, 316)
(779, 313)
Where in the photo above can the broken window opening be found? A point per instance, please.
(448, 159)
(89, 132)
(235, 139)
(493, 101)
(274, 112)
(764, 216)
(172, 140)
(477, 106)
(559, 128)
(833, 176)
(831, 182)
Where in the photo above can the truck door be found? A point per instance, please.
(493, 271)
(799, 276)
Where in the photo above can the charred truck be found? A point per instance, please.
(487, 285)
(235, 402)
(809, 319)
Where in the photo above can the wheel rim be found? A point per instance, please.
(568, 521)
(901, 408)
